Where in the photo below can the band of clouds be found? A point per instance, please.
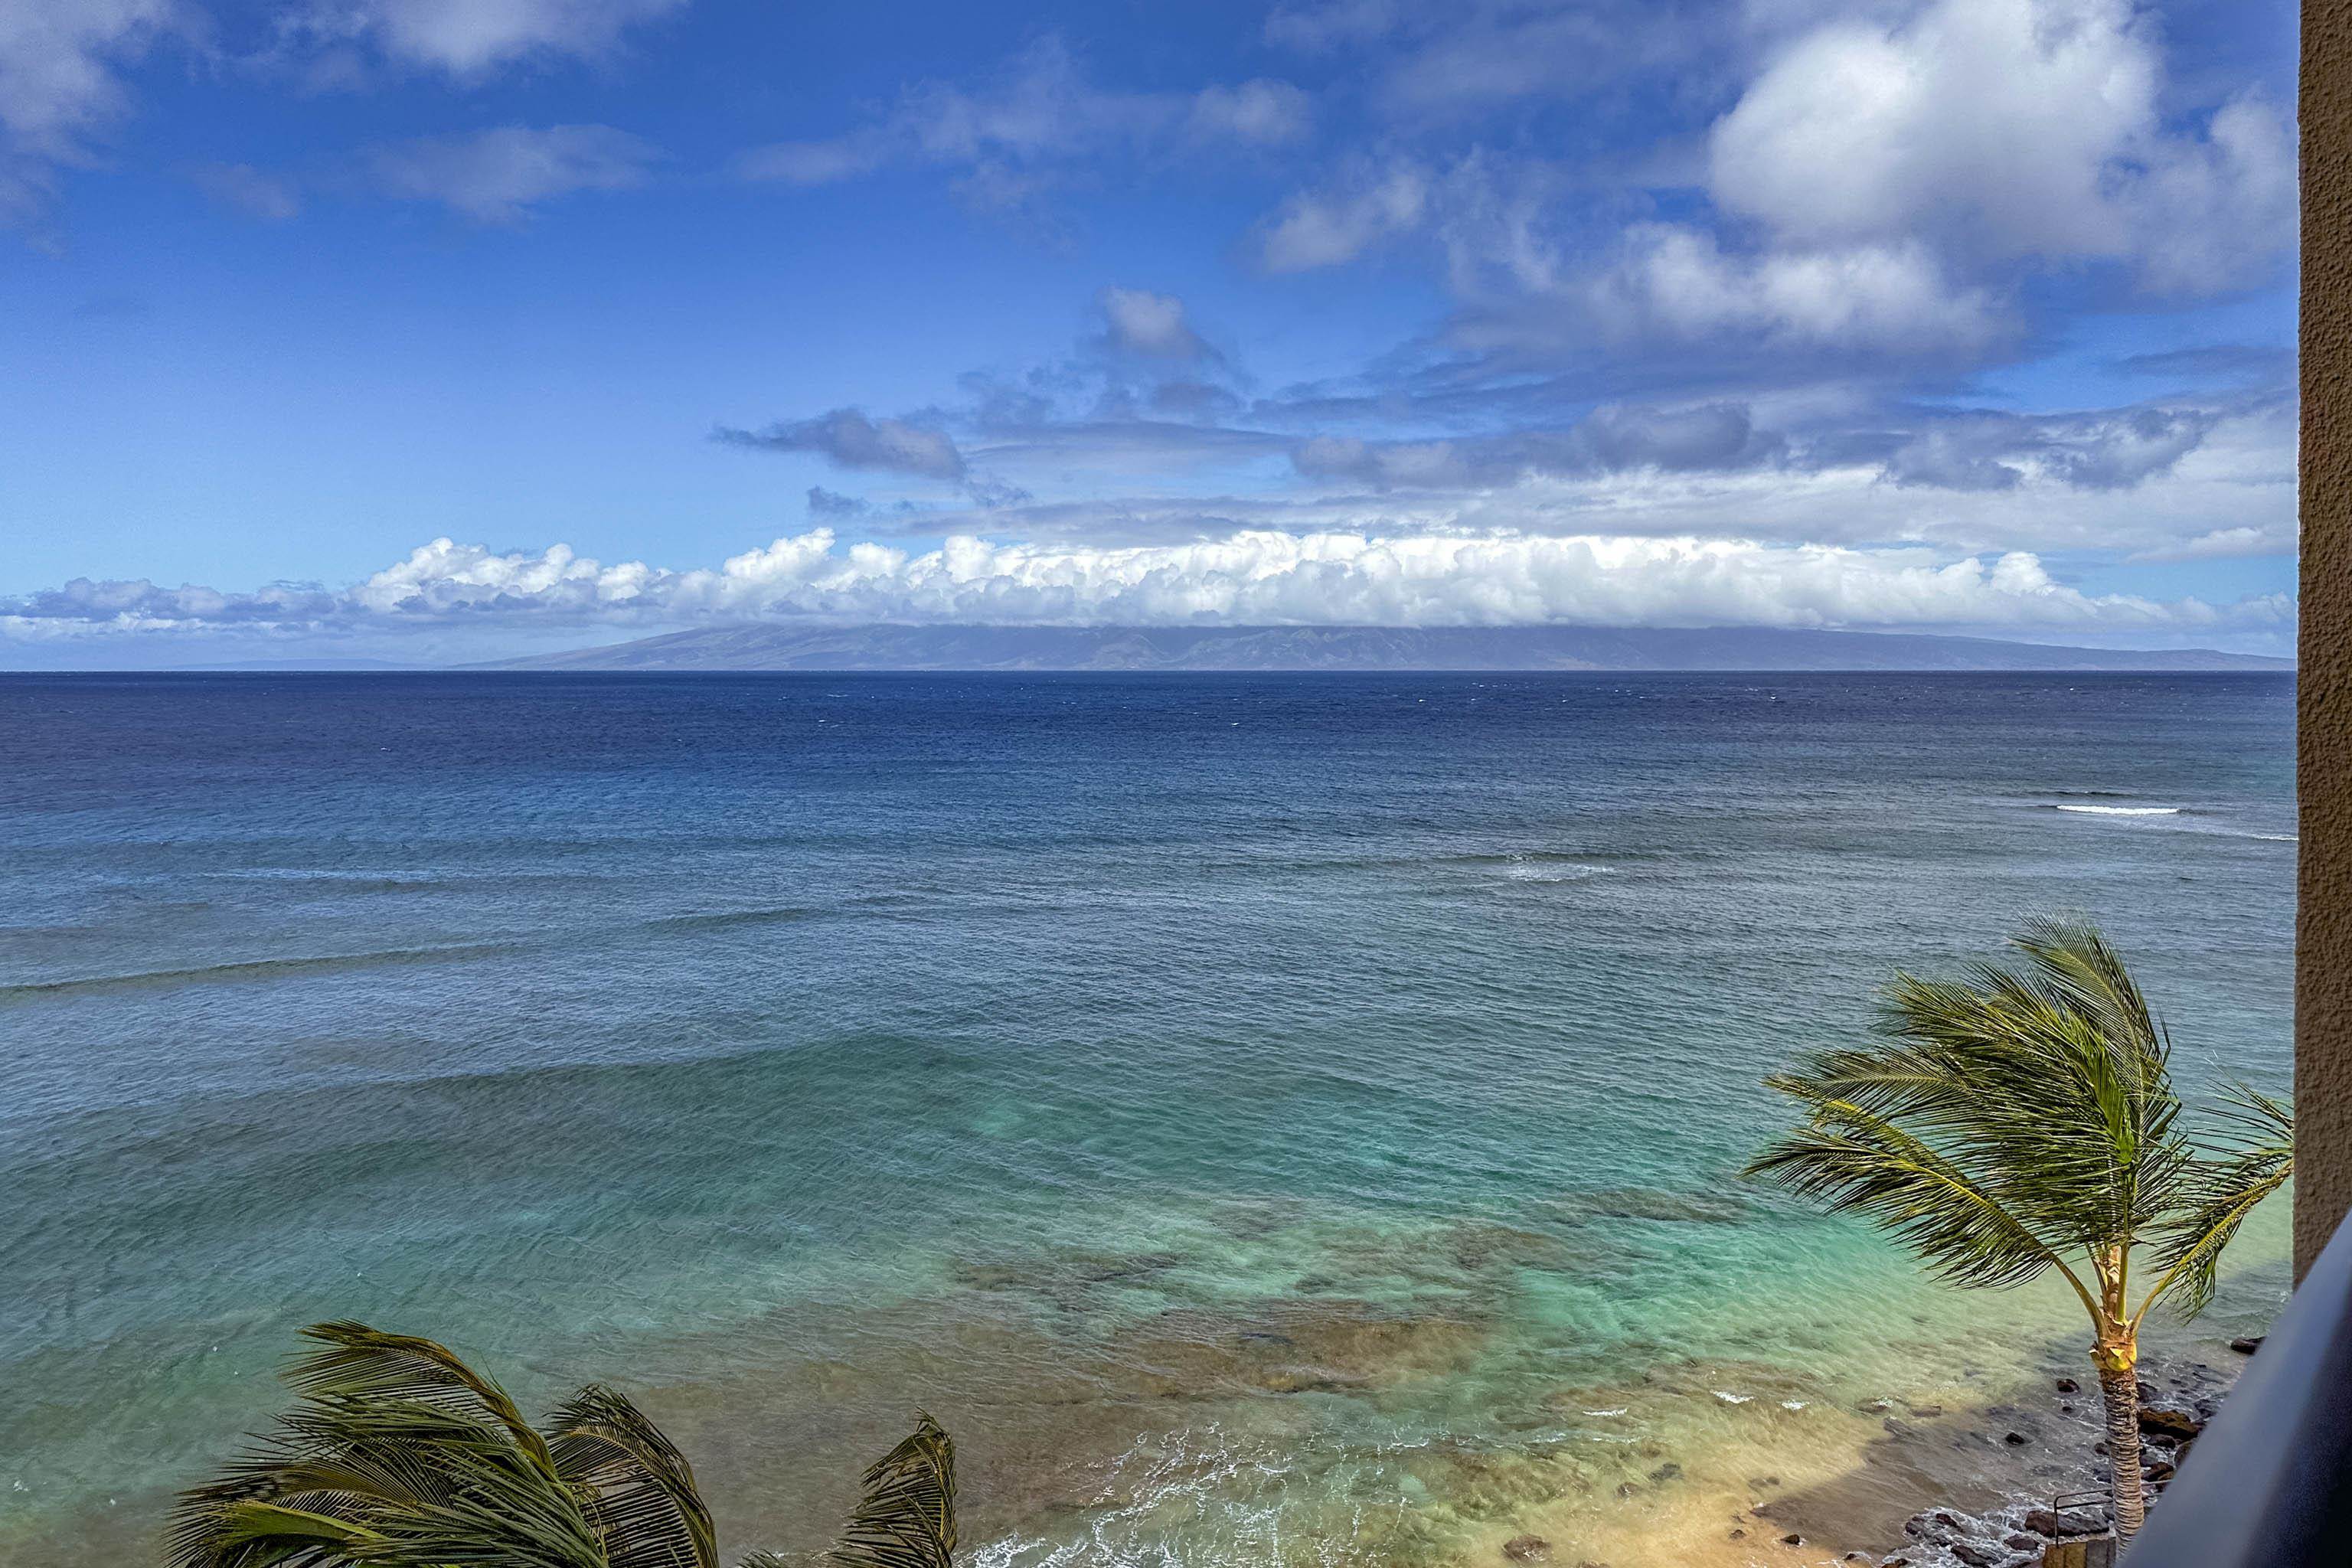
(1249, 578)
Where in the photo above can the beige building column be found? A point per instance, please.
(2322, 978)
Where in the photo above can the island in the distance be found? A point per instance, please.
(769, 646)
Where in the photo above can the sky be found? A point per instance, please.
(442, 330)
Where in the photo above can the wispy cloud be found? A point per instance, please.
(496, 177)
(1008, 140)
(464, 38)
(61, 84)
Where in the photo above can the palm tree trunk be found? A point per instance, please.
(2119, 1389)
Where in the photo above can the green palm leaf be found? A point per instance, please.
(398, 1455)
(638, 1489)
(2023, 1116)
(906, 1517)
(2251, 1158)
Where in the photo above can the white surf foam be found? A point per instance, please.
(2123, 810)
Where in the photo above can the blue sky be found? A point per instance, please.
(429, 329)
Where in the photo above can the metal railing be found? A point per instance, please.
(2269, 1484)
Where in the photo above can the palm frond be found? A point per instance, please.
(361, 1363)
(906, 1518)
(1854, 1160)
(2010, 1119)
(398, 1456)
(637, 1488)
(2255, 1158)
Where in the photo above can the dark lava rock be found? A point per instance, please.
(1792, 1538)
(1526, 1549)
(1925, 1412)
(2099, 1449)
(1977, 1556)
(2043, 1521)
(2160, 1471)
(1737, 1535)
(2248, 1345)
(1666, 1473)
(2068, 1385)
(2169, 1421)
(2016, 1439)
(2065, 1410)
(2022, 1543)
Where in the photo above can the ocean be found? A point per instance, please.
(1267, 1118)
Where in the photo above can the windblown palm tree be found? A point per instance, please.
(401, 1456)
(2022, 1120)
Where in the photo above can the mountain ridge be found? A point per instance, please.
(885, 647)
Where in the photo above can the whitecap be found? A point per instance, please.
(1618, 1411)
(2279, 837)
(1732, 1398)
(1794, 1404)
(2122, 810)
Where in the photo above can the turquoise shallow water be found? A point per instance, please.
(1268, 1117)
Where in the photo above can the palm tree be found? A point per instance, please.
(2022, 1120)
(400, 1456)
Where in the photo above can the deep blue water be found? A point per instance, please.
(796, 1049)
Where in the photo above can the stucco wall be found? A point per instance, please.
(2323, 986)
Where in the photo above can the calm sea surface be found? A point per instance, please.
(1284, 1118)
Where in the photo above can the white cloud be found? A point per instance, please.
(1247, 578)
(1999, 129)
(1152, 325)
(1677, 283)
(495, 176)
(59, 86)
(2227, 543)
(1325, 228)
(469, 38)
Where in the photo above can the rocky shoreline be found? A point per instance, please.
(2176, 1400)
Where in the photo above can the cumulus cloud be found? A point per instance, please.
(1999, 129)
(846, 436)
(468, 39)
(1150, 325)
(1250, 578)
(1678, 284)
(1009, 138)
(496, 177)
(60, 85)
